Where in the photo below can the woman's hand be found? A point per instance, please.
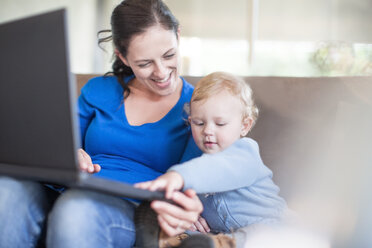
(169, 182)
(177, 219)
(200, 225)
(86, 164)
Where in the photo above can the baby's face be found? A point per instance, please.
(217, 122)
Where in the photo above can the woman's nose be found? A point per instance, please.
(160, 70)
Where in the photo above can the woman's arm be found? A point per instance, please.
(86, 114)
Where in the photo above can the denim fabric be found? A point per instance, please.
(23, 208)
(78, 218)
(88, 219)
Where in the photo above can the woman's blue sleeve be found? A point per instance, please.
(191, 150)
(86, 113)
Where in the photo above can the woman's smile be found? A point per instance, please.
(163, 83)
(153, 57)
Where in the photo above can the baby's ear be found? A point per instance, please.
(247, 124)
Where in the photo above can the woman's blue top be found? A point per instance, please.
(129, 153)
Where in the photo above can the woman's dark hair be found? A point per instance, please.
(133, 17)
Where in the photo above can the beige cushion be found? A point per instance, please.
(297, 122)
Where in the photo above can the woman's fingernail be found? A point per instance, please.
(175, 195)
(155, 205)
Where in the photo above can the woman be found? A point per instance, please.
(132, 127)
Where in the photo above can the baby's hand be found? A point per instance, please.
(170, 182)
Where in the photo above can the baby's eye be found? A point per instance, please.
(220, 124)
(198, 123)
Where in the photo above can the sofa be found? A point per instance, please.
(314, 134)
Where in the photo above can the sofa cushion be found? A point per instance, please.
(298, 123)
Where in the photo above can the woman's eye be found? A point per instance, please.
(169, 56)
(144, 65)
(220, 124)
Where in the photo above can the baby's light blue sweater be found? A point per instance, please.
(236, 188)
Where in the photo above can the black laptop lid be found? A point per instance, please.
(37, 99)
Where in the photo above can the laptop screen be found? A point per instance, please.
(38, 127)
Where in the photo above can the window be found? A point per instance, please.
(275, 38)
(245, 37)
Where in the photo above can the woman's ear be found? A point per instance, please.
(246, 126)
(121, 57)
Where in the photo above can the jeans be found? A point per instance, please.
(77, 218)
(23, 205)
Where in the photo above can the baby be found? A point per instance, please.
(236, 188)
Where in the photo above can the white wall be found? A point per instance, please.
(215, 32)
(82, 25)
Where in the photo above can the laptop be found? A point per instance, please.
(39, 134)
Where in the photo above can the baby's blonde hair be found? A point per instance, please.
(216, 82)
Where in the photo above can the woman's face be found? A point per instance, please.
(153, 57)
